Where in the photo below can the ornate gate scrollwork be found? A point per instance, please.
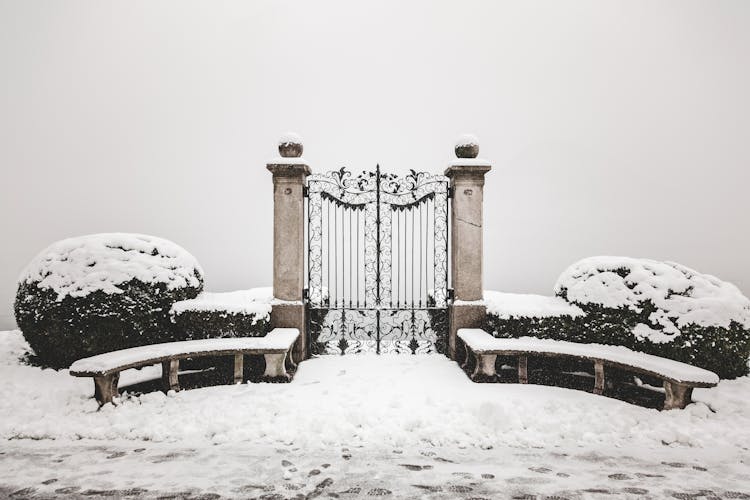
(377, 262)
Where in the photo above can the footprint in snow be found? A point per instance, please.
(619, 477)
(415, 468)
(379, 492)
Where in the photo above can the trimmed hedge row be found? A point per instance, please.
(195, 325)
(724, 351)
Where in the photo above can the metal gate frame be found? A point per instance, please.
(338, 321)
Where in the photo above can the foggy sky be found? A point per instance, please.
(613, 127)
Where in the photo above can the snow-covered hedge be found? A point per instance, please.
(243, 313)
(97, 293)
(513, 315)
(661, 308)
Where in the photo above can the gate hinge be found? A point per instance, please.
(305, 191)
(451, 294)
(450, 192)
(305, 294)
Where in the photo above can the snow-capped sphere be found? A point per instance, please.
(467, 146)
(102, 292)
(290, 145)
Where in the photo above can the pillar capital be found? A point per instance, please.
(284, 171)
(467, 171)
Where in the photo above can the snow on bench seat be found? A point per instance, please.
(105, 368)
(678, 377)
(277, 341)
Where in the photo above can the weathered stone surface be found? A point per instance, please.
(288, 230)
(290, 149)
(467, 151)
(467, 231)
(292, 316)
(289, 249)
(463, 316)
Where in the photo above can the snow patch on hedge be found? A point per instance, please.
(522, 305)
(79, 266)
(682, 295)
(254, 302)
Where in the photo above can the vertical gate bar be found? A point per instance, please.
(328, 252)
(307, 232)
(336, 250)
(434, 253)
(412, 257)
(350, 258)
(398, 259)
(357, 258)
(447, 255)
(377, 259)
(420, 255)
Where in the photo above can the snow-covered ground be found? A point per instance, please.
(381, 423)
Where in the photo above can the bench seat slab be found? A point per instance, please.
(679, 379)
(482, 342)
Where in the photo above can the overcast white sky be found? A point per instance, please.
(613, 127)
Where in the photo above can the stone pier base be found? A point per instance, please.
(463, 316)
(292, 316)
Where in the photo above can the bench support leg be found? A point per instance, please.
(485, 367)
(275, 366)
(290, 365)
(105, 388)
(523, 369)
(239, 368)
(169, 378)
(599, 377)
(466, 355)
(678, 396)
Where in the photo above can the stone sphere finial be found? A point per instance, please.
(467, 146)
(290, 145)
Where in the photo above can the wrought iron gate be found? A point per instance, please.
(377, 262)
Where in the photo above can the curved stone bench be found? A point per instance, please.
(105, 368)
(678, 378)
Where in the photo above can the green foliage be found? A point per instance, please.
(724, 351)
(194, 325)
(62, 331)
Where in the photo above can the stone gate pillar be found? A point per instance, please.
(289, 174)
(466, 173)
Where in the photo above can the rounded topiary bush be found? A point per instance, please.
(661, 308)
(97, 293)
